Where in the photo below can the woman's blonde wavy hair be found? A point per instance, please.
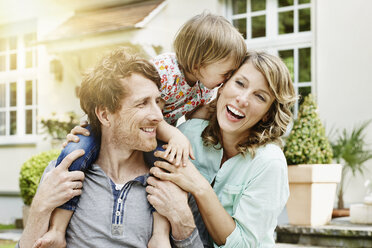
(279, 115)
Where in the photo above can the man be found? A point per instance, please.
(122, 99)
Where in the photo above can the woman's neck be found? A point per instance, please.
(229, 143)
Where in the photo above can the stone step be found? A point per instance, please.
(339, 233)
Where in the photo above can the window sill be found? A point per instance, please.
(19, 141)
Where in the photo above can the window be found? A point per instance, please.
(281, 27)
(18, 87)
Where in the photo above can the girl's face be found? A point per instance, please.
(244, 100)
(215, 74)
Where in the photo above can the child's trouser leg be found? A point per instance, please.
(91, 145)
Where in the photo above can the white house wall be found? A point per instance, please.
(343, 71)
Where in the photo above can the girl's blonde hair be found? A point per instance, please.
(206, 39)
(279, 114)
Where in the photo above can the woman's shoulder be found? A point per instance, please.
(270, 154)
(193, 127)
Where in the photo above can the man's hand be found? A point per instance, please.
(59, 185)
(171, 202)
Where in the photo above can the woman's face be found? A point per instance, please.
(244, 100)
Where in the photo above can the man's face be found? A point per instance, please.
(134, 125)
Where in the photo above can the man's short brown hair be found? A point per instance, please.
(102, 86)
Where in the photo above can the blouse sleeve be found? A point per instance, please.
(259, 206)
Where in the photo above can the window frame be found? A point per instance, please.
(274, 42)
(20, 76)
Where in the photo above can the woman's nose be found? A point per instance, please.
(243, 100)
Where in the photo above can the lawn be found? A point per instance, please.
(7, 244)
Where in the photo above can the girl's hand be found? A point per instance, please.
(72, 136)
(186, 177)
(178, 149)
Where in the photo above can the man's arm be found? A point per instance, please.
(172, 202)
(57, 187)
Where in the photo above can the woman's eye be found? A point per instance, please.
(262, 98)
(239, 83)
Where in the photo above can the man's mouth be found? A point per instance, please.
(149, 130)
(235, 112)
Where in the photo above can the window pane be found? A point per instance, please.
(2, 95)
(13, 43)
(13, 61)
(259, 26)
(303, 1)
(257, 5)
(13, 94)
(286, 22)
(2, 123)
(2, 45)
(283, 3)
(304, 64)
(30, 39)
(241, 25)
(302, 92)
(304, 19)
(29, 121)
(13, 122)
(28, 87)
(288, 58)
(28, 59)
(2, 62)
(239, 6)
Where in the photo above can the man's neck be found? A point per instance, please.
(121, 165)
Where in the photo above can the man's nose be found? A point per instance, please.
(156, 113)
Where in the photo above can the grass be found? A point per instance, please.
(7, 244)
(5, 227)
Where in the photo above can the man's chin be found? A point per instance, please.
(150, 146)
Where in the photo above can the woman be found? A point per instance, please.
(239, 178)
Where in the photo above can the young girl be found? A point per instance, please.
(207, 51)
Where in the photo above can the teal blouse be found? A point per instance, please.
(253, 191)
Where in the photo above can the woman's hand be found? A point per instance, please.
(187, 177)
(72, 136)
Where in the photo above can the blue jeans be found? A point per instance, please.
(91, 146)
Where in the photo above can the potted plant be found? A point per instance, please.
(312, 178)
(58, 126)
(30, 175)
(350, 149)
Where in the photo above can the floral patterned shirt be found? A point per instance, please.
(179, 97)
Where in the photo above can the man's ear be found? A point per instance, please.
(103, 115)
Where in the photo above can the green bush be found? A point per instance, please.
(31, 172)
(307, 142)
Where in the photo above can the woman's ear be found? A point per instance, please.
(103, 114)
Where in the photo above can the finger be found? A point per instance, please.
(84, 123)
(191, 153)
(76, 185)
(172, 154)
(179, 157)
(152, 181)
(64, 144)
(80, 130)
(67, 161)
(72, 138)
(76, 176)
(165, 176)
(185, 157)
(150, 189)
(167, 151)
(165, 165)
(76, 192)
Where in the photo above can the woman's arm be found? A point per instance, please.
(57, 187)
